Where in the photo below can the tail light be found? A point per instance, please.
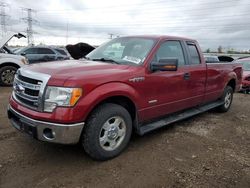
(247, 78)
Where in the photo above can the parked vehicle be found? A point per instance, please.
(153, 81)
(9, 62)
(63, 53)
(79, 50)
(245, 87)
(36, 54)
(211, 59)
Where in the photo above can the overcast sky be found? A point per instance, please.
(212, 23)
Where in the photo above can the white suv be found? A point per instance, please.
(9, 62)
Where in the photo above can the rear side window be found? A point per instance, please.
(194, 54)
(44, 51)
(171, 50)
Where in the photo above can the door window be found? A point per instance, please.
(171, 50)
(45, 51)
(194, 54)
(31, 51)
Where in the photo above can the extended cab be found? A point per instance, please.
(137, 83)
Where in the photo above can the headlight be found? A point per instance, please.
(61, 96)
(24, 61)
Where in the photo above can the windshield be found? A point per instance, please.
(124, 50)
(62, 52)
(18, 51)
(246, 65)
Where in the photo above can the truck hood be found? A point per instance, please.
(60, 71)
(8, 37)
(12, 56)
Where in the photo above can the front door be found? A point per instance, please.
(167, 91)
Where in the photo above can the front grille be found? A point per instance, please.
(29, 87)
(26, 90)
(26, 79)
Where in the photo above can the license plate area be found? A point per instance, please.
(23, 125)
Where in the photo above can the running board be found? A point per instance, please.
(177, 117)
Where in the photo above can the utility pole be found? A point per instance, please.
(29, 20)
(111, 35)
(3, 16)
(67, 33)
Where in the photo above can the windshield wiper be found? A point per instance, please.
(105, 60)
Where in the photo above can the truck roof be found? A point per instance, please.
(161, 37)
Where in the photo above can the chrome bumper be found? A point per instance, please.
(46, 131)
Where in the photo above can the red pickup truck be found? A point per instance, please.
(130, 84)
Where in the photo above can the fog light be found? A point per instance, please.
(48, 134)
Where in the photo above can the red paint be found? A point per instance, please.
(100, 81)
(245, 75)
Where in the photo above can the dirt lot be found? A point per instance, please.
(209, 150)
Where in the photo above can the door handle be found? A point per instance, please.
(186, 76)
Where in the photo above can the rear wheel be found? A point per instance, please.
(7, 74)
(107, 131)
(227, 98)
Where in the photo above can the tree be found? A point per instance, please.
(208, 50)
(220, 49)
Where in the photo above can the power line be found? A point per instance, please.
(161, 3)
(29, 20)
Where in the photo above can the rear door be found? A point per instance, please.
(195, 75)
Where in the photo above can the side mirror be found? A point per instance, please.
(23, 53)
(165, 65)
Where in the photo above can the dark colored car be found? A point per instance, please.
(245, 87)
(37, 54)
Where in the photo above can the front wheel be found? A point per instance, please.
(227, 99)
(107, 131)
(7, 75)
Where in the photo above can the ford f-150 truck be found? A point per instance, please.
(130, 84)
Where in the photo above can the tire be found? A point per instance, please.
(104, 139)
(227, 98)
(7, 74)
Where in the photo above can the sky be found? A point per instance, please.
(60, 22)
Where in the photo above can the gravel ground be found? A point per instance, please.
(209, 150)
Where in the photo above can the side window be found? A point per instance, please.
(171, 50)
(45, 51)
(31, 51)
(194, 54)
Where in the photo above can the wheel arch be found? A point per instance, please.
(123, 101)
(232, 83)
(9, 64)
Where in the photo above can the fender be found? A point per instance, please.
(92, 99)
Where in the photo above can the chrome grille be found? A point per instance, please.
(29, 88)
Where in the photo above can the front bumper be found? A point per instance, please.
(46, 131)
